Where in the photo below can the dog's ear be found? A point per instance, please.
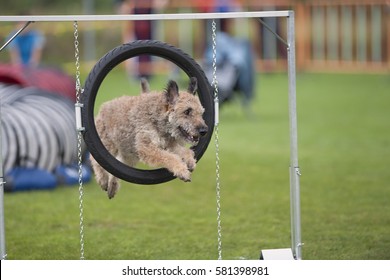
(193, 85)
(144, 86)
(171, 92)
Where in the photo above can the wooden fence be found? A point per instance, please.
(331, 35)
(343, 35)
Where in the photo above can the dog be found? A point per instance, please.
(154, 128)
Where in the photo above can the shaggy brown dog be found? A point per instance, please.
(154, 128)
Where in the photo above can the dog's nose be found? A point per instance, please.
(203, 130)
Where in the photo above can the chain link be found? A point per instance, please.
(216, 136)
(77, 63)
(79, 140)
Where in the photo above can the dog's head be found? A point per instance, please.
(185, 112)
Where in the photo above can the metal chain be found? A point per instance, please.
(79, 139)
(216, 136)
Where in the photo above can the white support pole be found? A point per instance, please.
(294, 167)
(3, 253)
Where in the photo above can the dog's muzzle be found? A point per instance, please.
(194, 139)
(203, 130)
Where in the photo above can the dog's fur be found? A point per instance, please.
(154, 128)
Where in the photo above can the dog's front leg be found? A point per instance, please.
(154, 156)
(187, 155)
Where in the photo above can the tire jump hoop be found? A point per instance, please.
(91, 88)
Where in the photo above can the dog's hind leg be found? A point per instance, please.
(113, 186)
(108, 182)
(101, 175)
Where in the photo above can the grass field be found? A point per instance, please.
(344, 156)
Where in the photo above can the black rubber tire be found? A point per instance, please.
(95, 79)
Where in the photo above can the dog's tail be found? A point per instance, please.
(144, 86)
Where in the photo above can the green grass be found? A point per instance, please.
(344, 156)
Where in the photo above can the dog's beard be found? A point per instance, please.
(188, 136)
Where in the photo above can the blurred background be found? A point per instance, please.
(349, 36)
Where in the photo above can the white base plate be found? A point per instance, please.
(277, 254)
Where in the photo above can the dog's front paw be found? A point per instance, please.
(183, 173)
(191, 164)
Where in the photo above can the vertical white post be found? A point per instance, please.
(2, 226)
(294, 167)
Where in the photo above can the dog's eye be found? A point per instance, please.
(188, 111)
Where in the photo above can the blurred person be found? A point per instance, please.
(235, 67)
(26, 48)
(235, 59)
(138, 30)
